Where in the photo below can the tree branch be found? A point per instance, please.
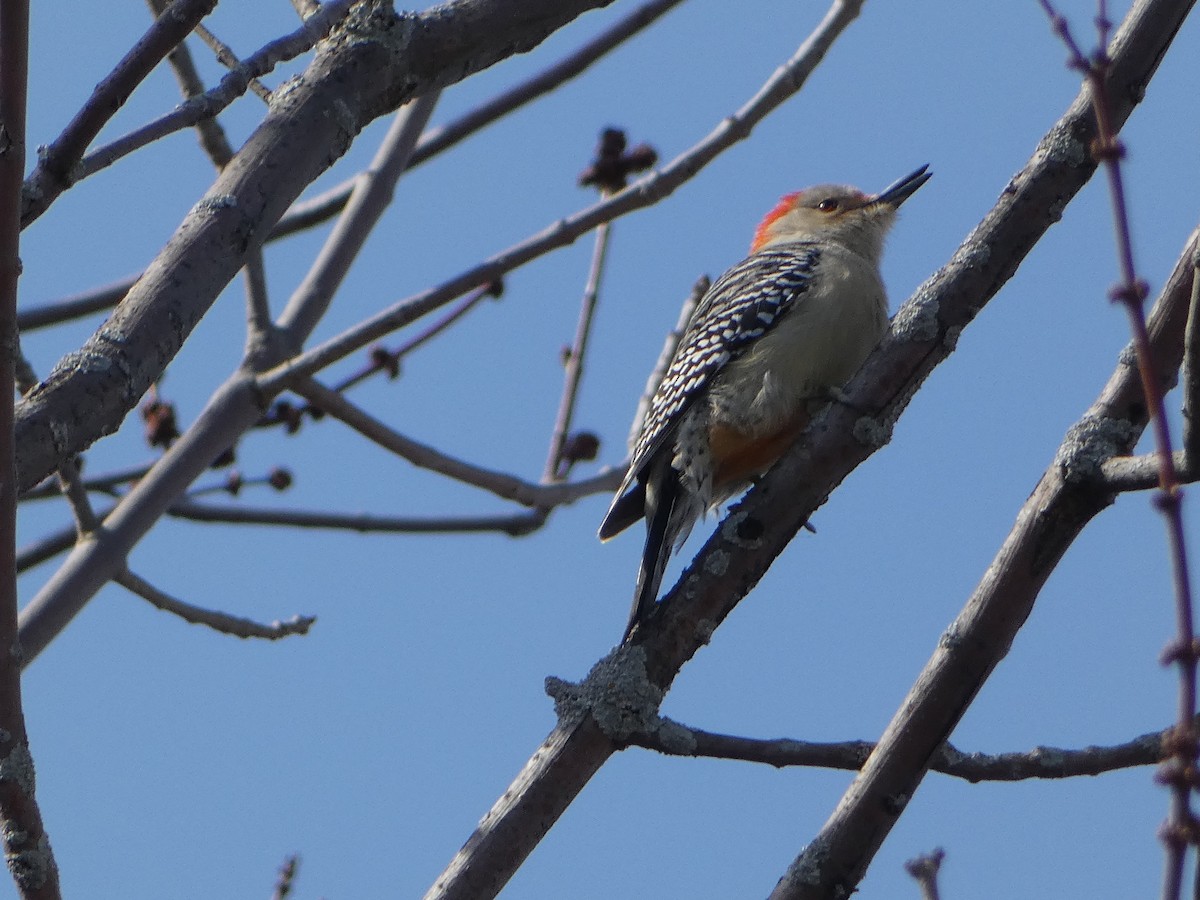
(517, 525)
(542, 496)
(674, 739)
(217, 621)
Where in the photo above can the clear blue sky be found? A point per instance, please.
(176, 763)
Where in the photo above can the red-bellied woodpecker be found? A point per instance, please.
(778, 331)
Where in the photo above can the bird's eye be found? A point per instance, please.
(829, 204)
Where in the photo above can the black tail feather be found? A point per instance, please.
(662, 492)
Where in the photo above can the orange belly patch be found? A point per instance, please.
(740, 458)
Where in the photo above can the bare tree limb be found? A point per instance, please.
(516, 525)
(372, 193)
(217, 621)
(76, 306)
(674, 739)
(544, 496)
(574, 357)
(226, 57)
(1061, 505)
(106, 483)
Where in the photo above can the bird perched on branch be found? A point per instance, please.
(781, 329)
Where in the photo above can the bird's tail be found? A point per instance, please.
(662, 528)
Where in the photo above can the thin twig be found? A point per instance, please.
(217, 621)
(25, 842)
(258, 304)
(384, 360)
(1180, 831)
(515, 525)
(509, 487)
(573, 360)
(609, 172)
(76, 306)
(674, 739)
(227, 58)
(58, 165)
(104, 484)
(782, 84)
(211, 134)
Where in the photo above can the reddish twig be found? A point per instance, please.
(384, 360)
(1182, 828)
(26, 844)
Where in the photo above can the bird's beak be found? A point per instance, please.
(897, 193)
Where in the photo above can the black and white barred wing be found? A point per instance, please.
(743, 305)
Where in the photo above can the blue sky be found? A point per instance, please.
(176, 763)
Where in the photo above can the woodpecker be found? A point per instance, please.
(781, 329)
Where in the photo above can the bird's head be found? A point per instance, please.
(838, 213)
